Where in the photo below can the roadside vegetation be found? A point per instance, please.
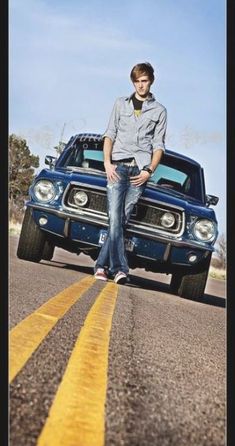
(218, 262)
(22, 171)
(14, 228)
(217, 273)
(22, 165)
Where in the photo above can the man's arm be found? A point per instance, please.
(107, 149)
(109, 138)
(156, 158)
(160, 132)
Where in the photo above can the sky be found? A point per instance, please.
(69, 60)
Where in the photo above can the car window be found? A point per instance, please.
(78, 157)
(178, 175)
(169, 175)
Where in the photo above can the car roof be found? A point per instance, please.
(97, 137)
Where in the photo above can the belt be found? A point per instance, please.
(126, 162)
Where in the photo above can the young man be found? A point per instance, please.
(133, 146)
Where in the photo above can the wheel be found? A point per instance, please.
(31, 241)
(48, 250)
(190, 286)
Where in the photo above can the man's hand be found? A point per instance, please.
(140, 179)
(110, 170)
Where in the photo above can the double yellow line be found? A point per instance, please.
(77, 415)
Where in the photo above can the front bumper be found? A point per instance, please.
(84, 234)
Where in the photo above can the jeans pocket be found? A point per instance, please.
(135, 171)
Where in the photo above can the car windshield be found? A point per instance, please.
(79, 157)
(173, 173)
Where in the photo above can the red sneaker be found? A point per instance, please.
(101, 274)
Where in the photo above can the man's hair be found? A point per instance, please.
(142, 69)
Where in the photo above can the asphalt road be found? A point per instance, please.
(166, 363)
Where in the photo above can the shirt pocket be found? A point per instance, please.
(126, 114)
(150, 125)
(126, 120)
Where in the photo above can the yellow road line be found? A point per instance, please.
(77, 415)
(25, 337)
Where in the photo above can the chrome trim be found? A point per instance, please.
(77, 183)
(161, 203)
(87, 212)
(52, 232)
(66, 227)
(146, 257)
(180, 224)
(167, 252)
(84, 211)
(83, 169)
(174, 242)
(64, 215)
(159, 231)
(85, 243)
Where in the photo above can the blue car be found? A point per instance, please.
(172, 229)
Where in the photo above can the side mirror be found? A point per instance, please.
(211, 200)
(50, 160)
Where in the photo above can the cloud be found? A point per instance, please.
(189, 137)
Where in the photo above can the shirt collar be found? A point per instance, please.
(150, 99)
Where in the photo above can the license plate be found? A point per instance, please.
(103, 236)
(129, 244)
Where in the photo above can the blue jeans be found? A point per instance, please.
(121, 196)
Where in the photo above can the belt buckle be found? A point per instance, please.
(126, 163)
(132, 163)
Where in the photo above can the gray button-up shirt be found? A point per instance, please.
(137, 137)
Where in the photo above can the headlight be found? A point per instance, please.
(204, 230)
(168, 220)
(44, 190)
(80, 198)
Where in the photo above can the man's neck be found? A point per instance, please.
(142, 98)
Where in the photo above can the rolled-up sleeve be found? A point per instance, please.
(160, 132)
(112, 128)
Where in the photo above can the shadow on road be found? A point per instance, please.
(140, 282)
(72, 267)
(149, 284)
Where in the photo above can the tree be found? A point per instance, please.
(59, 149)
(22, 164)
(221, 251)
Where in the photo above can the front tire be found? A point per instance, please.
(48, 250)
(31, 241)
(190, 286)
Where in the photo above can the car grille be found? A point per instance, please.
(146, 214)
(96, 200)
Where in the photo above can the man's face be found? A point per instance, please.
(142, 86)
